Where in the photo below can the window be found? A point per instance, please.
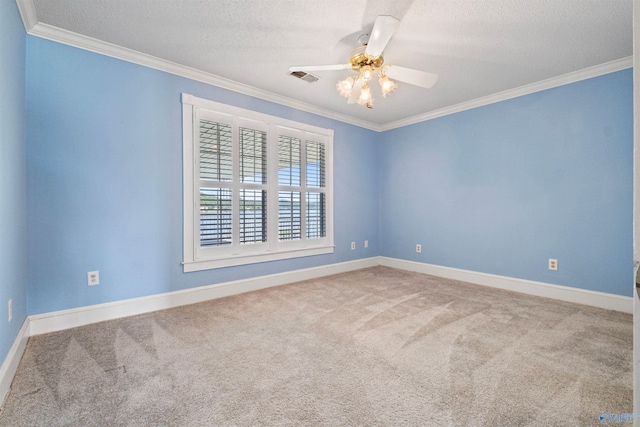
(256, 187)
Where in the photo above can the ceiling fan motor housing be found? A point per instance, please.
(361, 59)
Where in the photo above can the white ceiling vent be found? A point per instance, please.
(304, 76)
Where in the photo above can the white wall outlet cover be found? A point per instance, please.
(93, 278)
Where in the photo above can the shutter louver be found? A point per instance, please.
(316, 201)
(253, 156)
(288, 161)
(289, 223)
(289, 211)
(215, 216)
(316, 215)
(216, 151)
(253, 216)
(315, 162)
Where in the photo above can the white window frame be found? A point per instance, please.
(198, 258)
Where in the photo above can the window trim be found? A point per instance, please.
(193, 258)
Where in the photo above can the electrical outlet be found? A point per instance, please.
(553, 264)
(10, 309)
(366, 243)
(93, 278)
(418, 248)
(353, 246)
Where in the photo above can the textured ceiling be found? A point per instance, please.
(477, 47)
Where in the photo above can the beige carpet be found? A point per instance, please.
(375, 347)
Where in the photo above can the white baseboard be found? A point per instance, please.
(65, 319)
(12, 360)
(563, 293)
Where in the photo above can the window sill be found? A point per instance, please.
(235, 260)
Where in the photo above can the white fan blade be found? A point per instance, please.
(355, 92)
(306, 68)
(413, 77)
(381, 34)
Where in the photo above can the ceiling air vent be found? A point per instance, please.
(304, 76)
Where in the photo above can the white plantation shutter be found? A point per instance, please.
(289, 209)
(216, 172)
(316, 190)
(316, 215)
(252, 177)
(253, 156)
(257, 188)
(253, 216)
(216, 151)
(215, 216)
(315, 164)
(301, 187)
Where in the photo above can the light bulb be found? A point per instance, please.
(366, 74)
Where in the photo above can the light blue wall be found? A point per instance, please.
(105, 180)
(502, 188)
(498, 189)
(13, 202)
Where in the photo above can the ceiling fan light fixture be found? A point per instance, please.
(345, 86)
(387, 86)
(367, 63)
(365, 96)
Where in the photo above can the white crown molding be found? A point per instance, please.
(28, 13)
(49, 32)
(587, 73)
(70, 38)
(529, 287)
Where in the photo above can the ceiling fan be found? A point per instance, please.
(368, 62)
